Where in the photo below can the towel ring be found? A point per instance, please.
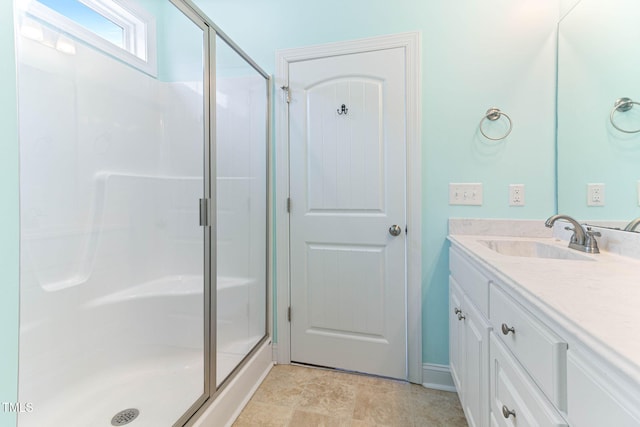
(623, 105)
(494, 114)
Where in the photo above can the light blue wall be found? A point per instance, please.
(9, 218)
(180, 44)
(475, 55)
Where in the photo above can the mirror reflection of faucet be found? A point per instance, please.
(583, 238)
(633, 225)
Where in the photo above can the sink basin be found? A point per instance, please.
(531, 249)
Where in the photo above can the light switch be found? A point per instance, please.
(465, 194)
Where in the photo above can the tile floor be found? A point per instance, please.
(296, 396)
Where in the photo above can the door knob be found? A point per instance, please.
(506, 412)
(395, 230)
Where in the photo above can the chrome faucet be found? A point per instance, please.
(633, 225)
(583, 239)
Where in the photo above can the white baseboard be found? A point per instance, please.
(274, 353)
(437, 377)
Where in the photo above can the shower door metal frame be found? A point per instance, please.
(211, 31)
(209, 195)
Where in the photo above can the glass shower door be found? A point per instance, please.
(113, 160)
(241, 200)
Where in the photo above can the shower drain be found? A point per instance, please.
(124, 417)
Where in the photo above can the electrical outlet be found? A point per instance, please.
(465, 194)
(595, 194)
(516, 195)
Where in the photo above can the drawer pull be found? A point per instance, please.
(457, 311)
(506, 329)
(460, 316)
(506, 412)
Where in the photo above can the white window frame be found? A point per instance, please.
(139, 30)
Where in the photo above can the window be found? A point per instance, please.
(118, 27)
(89, 19)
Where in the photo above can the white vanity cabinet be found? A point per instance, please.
(469, 340)
(492, 340)
(516, 362)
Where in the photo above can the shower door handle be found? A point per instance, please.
(204, 213)
(395, 230)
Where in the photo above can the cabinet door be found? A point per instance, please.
(456, 335)
(596, 400)
(476, 366)
(472, 282)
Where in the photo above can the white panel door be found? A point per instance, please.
(347, 186)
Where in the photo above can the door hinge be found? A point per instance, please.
(406, 229)
(288, 204)
(289, 314)
(204, 213)
(287, 94)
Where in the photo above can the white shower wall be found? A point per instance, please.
(89, 123)
(112, 251)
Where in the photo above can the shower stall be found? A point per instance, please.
(144, 186)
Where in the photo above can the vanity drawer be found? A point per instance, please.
(542, 353)
(474, 284)
(514, 395)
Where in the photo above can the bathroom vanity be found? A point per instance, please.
(541, 334)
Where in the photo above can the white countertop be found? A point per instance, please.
(597, 302)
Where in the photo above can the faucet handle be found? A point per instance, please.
(591, 233)
(573, 239)
(590, 244)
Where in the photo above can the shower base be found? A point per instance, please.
(142, 385)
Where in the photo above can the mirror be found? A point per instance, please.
(598, 63)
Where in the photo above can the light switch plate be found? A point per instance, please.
(465, 194)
